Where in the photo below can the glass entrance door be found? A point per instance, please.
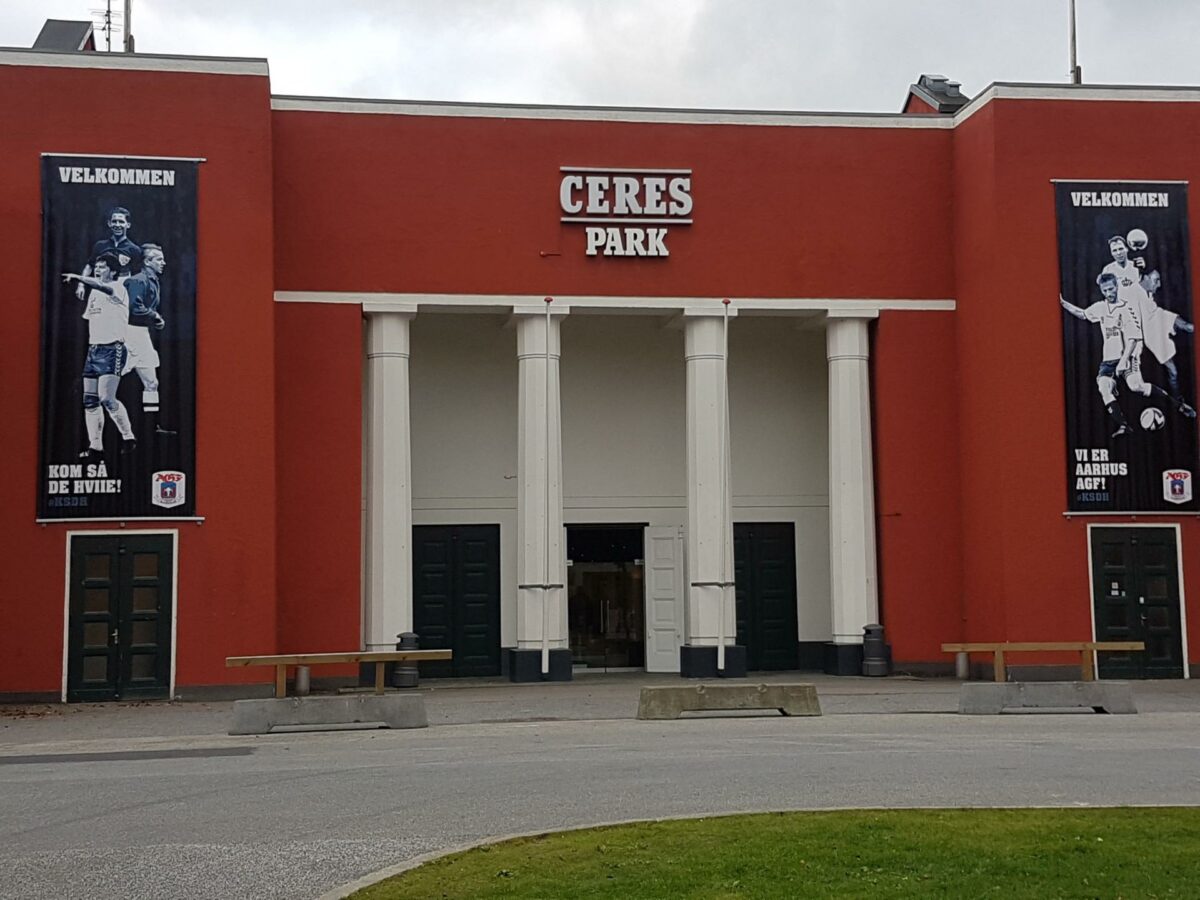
(605, 596)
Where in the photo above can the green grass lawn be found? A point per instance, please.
(1035, 853)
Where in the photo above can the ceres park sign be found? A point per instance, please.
(625, 212)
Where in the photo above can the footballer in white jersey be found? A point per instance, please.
(1157, 326)
(1122, 349)
(107, 314)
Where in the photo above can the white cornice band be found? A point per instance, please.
(996, 91)
(138, 62)
(507, 302)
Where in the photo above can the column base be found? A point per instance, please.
(525, 666)
(843, 659)
(701, 662)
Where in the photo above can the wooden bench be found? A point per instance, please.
(1083, 648)
(379, 657)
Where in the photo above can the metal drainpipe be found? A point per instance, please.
(724, 484)
(546, 558)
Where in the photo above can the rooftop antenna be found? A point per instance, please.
(1076, 70)
(107, 21)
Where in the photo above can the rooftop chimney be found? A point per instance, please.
(66, 35)
(935, 93)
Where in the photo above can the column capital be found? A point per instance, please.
(708, 312)
(847, 338)
(556, 309)
(704, 337)
(381, 307)
(387, 334)
(852, 312)
(534, 336)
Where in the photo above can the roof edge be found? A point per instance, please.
(1021, 90)
(660, 115)
(999, 90)
(206, 65)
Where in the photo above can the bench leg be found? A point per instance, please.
(1086, 660)
(1000, 675)
(281, 681)
(379, 677)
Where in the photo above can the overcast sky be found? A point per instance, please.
(743, 54)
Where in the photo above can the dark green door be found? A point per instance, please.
(764, 555)
(456, 597)
(119, 633)
(1135, 575)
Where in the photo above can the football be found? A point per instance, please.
(1152, 418)
(1137, 239)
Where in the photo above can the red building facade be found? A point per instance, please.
(937, 231)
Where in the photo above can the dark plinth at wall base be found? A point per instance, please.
(701, 662)
(924, 669)
(26, 698)
(810, 656)
(215, 693)
(843, 659)
(525, 666)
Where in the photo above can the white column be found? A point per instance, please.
(851, 479)
(387, 595)
(541, 551)
(709, 497)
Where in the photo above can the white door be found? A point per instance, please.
(664, 597)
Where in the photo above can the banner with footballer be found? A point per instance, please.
(1129, 346)
(118, 350)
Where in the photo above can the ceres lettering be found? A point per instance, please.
(625, 195)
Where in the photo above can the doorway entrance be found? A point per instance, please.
(606, 596)
(764, 565)
(119, 627)
(456, 597)
(1135, 592)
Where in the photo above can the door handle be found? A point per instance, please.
(114, 635)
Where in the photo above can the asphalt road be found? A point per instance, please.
(296, 815)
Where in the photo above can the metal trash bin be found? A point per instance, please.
(875, 655)
(405, 675)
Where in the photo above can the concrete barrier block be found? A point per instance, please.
(989, 698)
(668, 702)
(390, 710)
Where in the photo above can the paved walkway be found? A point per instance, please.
(480, 700)
(155, 800)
